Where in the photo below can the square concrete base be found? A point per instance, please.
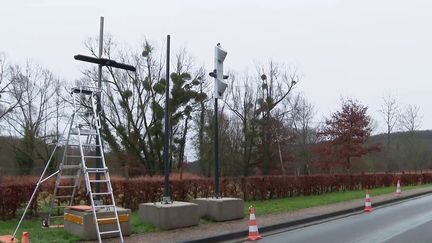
(220, 209)
(169, 216)
(80, 222)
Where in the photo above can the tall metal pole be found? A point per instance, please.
(216, 149)
(167, 193)
(100, 51)
(99, 107)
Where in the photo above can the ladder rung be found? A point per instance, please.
(106, 219)
(84, 131)
(101, 193)
(88, 132)
(97, 170)
(98, 181)
(85, 156)
(104, 206)
(92, 156)
(71, 166)
(84, 145)
(90, 145)
(109, 232)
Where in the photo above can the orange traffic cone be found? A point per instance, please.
(398, 189)
(25, 237)
(253, 227)
(368, 203)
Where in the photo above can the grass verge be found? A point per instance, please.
(37, 233)
(296, 203)
(54, 235)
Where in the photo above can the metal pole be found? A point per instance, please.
(99, 108)
(100, 51)
(216, 150)
(167, 193)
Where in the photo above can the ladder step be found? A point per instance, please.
(85, 156)
(101, 193)
(107, 219)
(83, 131)
(71, 166)
(109, 232)
(88, 132)
(84, 145)
(92, 156)
(98, 181)
(97, 170)
(104, 206)
(73, 155)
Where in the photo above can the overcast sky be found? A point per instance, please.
(359, 49)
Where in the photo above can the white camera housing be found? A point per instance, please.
(220, 84)
(220, 53)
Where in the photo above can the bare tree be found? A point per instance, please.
(200, 125)
(390, 113)
(277, 83)
(35, 92)
(410, 119)
(302, 115)
(7, 104)
(243, 103)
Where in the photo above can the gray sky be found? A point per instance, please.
(361, 49)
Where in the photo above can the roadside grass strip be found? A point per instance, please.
(57, 235)
(296, 203)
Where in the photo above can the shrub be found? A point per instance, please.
(129, 193)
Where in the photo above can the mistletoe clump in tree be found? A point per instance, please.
(344, 136)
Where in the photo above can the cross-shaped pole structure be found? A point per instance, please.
(101, 62)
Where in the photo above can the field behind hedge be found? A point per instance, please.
(16, 191)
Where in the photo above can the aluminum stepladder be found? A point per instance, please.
(79, 159)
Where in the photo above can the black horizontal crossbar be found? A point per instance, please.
(105, 62)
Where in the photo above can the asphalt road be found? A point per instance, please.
(405, 222)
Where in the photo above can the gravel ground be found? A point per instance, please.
(213, 229)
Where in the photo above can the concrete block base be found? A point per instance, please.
(169, 216)
(80, 221)
(220, 209)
